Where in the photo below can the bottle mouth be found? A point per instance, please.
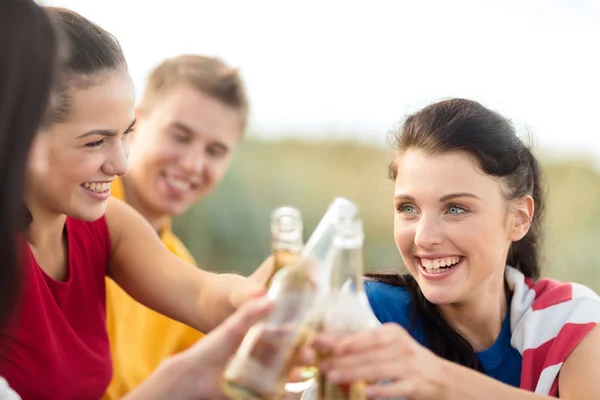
(345, 207)
(286, 223)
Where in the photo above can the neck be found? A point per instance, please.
(135, 200)
(480, 318)
(46, 230)
(48, 242)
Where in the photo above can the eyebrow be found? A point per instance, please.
(105, 132)
(189, 131)
(442, 199)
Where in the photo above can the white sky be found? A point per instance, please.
(355, 68)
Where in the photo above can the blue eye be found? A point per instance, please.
(456, 210)
(406, 209)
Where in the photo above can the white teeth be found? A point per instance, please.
(178, 184)
(96, 187)
(434, 266)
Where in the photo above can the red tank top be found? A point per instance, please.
(57, 345)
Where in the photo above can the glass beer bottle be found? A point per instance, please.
(260, 368)
(347, 309)
(286, 237)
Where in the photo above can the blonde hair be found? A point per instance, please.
(208, 75)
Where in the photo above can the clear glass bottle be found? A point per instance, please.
(260, 368)
(347, 309)
(286, 237)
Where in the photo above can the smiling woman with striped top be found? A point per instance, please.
(471, 319)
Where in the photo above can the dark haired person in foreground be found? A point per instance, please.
(54, 343)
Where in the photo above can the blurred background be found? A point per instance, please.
(329, 80)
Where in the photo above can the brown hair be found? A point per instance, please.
(93, 52)
(465, 125)
(205, 74)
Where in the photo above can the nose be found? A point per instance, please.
(117, 163)
(193, 161)
(428, 233)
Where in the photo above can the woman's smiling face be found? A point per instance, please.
(452, 224)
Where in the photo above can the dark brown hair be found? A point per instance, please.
(28, 58)
(465, 125)
(93, 53)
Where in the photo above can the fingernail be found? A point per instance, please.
(334, 376)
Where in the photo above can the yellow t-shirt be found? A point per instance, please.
(140, 338)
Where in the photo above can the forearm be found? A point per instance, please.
(216, 299)
(461, 383)
(169, 381)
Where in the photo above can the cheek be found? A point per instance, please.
(88, 168)
(165, 153)
(216, 169)
(477, 237)
(73, 166)
(404, 235)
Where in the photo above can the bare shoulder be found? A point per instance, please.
(578, 377)
(123, 220)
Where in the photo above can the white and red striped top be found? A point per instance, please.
(548, 320)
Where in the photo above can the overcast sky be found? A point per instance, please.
(356, 67)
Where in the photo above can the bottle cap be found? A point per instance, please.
(286, 224)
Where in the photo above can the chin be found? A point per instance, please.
(438, 296)
(169, 208)
(89, 215)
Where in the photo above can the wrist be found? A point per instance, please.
(445, 379)
(167, 381)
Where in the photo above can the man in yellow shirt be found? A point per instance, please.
(191, 117)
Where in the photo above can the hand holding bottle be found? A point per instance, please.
(252, 286)
(387, 353)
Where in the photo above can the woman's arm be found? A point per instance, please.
(152, 275)
(416, 373)
(195, 373)
(579, 378)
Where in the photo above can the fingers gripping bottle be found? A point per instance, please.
(259, 370)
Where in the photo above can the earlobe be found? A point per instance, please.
(523, 217)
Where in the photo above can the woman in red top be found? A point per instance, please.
(56, 345)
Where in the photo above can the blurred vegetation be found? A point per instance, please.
(229, 231)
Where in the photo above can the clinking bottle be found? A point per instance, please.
(347, 308)
(260, 368)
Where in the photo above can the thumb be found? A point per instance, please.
(263, 273)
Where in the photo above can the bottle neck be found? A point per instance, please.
(348, 269)
(287, 245)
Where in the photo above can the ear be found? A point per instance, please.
(522, 216)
